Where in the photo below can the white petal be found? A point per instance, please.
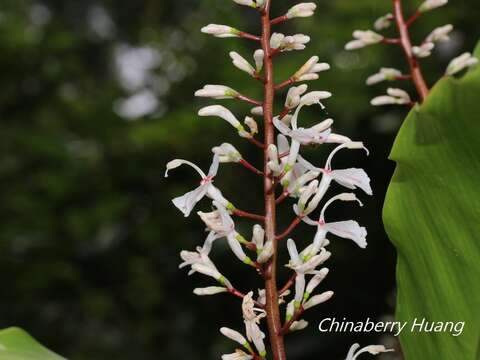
(353, 178)
(187, 202)
(349, 230)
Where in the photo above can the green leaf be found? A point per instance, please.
(16, 344)
(432, 215)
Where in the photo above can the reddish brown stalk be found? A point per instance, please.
(241, 295)
(271, 291)
(295, 317)
(284, 113)
(288, 284)
(249, 100)
(413, 18)
(250, 167)
(248, 36)
(406, 44)
(290, 228)
(256, 142)
(282, 197)
(244, 214)
(284, 84)
(279, 20)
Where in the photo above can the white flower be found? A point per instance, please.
(221, 31)
(201, 263)
(225, 114)
(424, 50)
(431, 4)
(217, 92)
(301, 10)
(250, 3)
(318, 299)
(258, 236)
(276, 40)
(372, 349)
(211, 290)
(251, 318)
(257, 110)
(346, 229)
(309, 71)
(235, 336)
(315, 281)
(302, 267)
(252, 125)
(293, 96)
(394, 97)
(266, 252)
(385, 74)
(187, 202)
(237, 355)
(221, 224)
(464, 61)
(440, 34)
(259, 56)
(227, 153)
(242, 64)
(288, 43)
(383, 22)
(363, 38)
(298, 325)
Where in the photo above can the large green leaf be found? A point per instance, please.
(16, 344)
(432, 215)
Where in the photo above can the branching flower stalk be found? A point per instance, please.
(286, 175)
(413, 54)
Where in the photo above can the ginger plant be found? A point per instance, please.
(286, 175)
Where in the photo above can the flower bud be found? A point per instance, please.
(431, 4)
(227, 153)
(266, 253)
(251, 124)
(424, 50)
(440, 34)
(314, 97)
(306, 194)
(225, 114)
(383, 22)
(259, 56)
(211, 290)
(318, 299)
(242, 64)
(301, 10)
(250, 3)
(220, 31)
(293, 96)
(276, 40)
(315, 281)
(217, 92)
(258, 110)
(233, 335)
(385, 74)
(363, 38)
(298, 325)
(258, 236)
(464, 61)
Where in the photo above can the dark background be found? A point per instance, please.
(96, 97)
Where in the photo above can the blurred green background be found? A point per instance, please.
(96, 97)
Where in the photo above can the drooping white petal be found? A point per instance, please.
(227, 153)
(179, 162)
(187, 202)
(372, 349)
(353, 178)
(316, 280)
(349, 230)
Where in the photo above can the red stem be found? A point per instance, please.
(279, 20)
(248, 215)
(272, 306)
(290, 228)
(249, 100)
(284, 84)
(241, 295)
(295, 317)
(250, 167)
(248, 36)
(289, 284)
(256, 142)
(282, 197)
(406, 44)
(413, 18)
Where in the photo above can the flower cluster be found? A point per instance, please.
(413, 53)
(288, 175)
